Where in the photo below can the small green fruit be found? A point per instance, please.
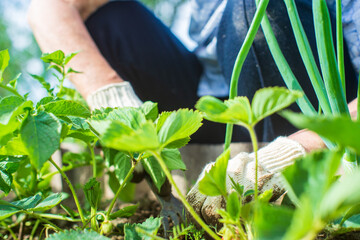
(106, 227)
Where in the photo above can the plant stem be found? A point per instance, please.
(91, 147)
(182, 197)
(284, 68)
(120, 189)
(340, 44)
(33, 183)
(58, 217)
(254, 143)
(34, 215)
(10, 231)
(71, 189)
(307, 56)
(33, 231)
(240, 59)
(94, 224)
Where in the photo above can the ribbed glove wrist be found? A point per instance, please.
(279, 154)
(114, 95)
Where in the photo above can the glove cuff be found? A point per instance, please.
(279, 154)
(114, 95)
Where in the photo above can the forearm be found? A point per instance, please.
(310, 140)
(57, 24)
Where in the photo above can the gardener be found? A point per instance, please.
(128, 56)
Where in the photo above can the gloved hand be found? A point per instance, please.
(273, 158)
(114, 95)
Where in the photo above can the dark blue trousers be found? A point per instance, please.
(145, 52)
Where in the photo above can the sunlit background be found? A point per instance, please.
(16, 36)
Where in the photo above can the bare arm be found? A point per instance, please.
(310, 140)
(58, 24)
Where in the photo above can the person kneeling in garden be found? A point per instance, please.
(128, 56)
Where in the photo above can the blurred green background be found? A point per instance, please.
(16, 36)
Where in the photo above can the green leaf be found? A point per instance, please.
(312, 176)
(267, 101)
(233, 206)
(236, 111)
(341, 196)
(67, 108)
(14, 147)
(213, 182)
(41, 137)
(27, 203)
(11, 107)
(92, 192)
(272, 222)
(6, 180)
(125, 212)
(69, 57)
(56, 57)
(122, 137)
(161, 120)
(355, 210)
(4, 62)
(12, 112)
(172, 159)
(179, 125)
(8, 166)
(153, 168)
(122, 164)
(84, 135)
(44, 83)
(179, 143)
(151, 226)
(7, 210)
(150, 110)
(51, 201)
(339, 129)
(237, 187)
(76, 235)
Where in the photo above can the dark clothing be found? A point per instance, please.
(144, 52)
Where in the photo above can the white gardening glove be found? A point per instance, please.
(273, 158)
(114, 95)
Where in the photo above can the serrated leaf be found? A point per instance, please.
(56, 57)
(10, 107)
(235, 111)
(69, 57)
(172, 159)
(213, 182)
(122, 164)
(44, 101)
(123, 138)
(153, 168)
(4, 62)
(8, 166)
(267, 101)
(312, 176)
(51, 201)
(13, 147)
(179, 143)
(92, 192)
(270, 216)
(161, 119)
(339, 129)
(150, 110)
(41, 137)
(341, 196)
(179, 125)
(233, 206)
(67, 108)
(77, 235)
(7, 210)
(27, 203)
(151, 226)
(131, 117)
(125, 212)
